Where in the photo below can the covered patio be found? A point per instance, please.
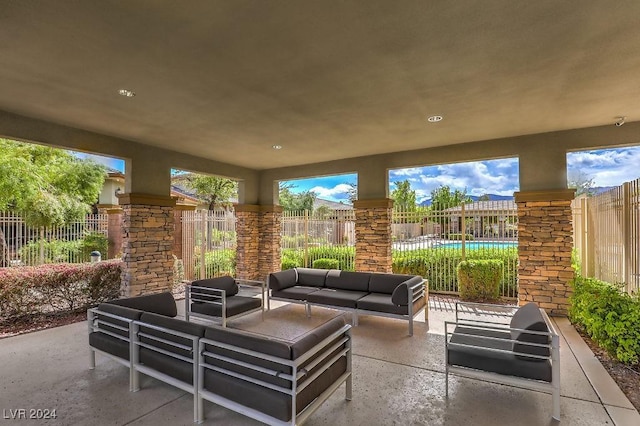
(263, 91)
(397, 380)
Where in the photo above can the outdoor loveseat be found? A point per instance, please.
(361, 293)
(523, 352)
(272, 380)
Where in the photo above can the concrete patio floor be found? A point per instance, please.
(398, 380)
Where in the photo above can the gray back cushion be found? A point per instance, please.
(226, 283)
(311, 277)
(529, 317)
(400, 296)
(386, 283)
(171, 324)
(159, 303)
(345, 280)
(283, 279)
(257, 343)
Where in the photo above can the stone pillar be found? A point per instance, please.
(114, 229)
(147, 230)
(373, 235)
(248, 241)
(269, 246)
(545, 242)
(177, 227)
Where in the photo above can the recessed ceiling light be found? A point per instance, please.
(435, 118)
(277, 147)
(127, 93)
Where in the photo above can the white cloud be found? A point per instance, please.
(337, 193)
(611, 167)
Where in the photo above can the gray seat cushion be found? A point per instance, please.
(298, 292)
(234, 305)
(283, 279)
(529, 317)
(159, 303)
(226, 283)
(478, 355)
(345, 280)
(386, 283)
(311, 277)
(327, 296)
(380, 303)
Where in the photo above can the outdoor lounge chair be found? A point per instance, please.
(219, 299)
(524, 352)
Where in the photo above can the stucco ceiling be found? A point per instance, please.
(326, 80)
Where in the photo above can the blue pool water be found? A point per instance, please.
(475, 245)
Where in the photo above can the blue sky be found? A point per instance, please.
(610, 167)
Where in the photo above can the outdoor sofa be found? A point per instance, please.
(524, 352)
(272, 380)
(219, 298)
(361, 293)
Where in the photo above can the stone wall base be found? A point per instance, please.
(545, 243)
(147, 245)
(373, 235)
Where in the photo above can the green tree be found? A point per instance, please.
(484, 197)
(581, 183)
(216, 191)
(46, 186)
(404, 198)
(443, 198)
(291, 201)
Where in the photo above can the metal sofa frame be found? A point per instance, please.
(197, 349)
(293, 389)
(417, 291)
(490, 310)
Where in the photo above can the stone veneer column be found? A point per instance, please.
(269, 255)
(147, 230)
(248, 241)
(545, 242)
(373, 235)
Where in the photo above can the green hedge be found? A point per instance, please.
(609, 316)
(439, 266)
(325, 264)
(32, 290)
(479, 280)
(344, 255)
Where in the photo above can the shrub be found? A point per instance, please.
(56, 288)
(61, 251)
(325, 264)
(294, 258)
(217, 263)
(609, 316)
(94, 241)
(479, 280)
(345, 255)
(439, 266)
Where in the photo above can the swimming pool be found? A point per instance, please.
(479, 245)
